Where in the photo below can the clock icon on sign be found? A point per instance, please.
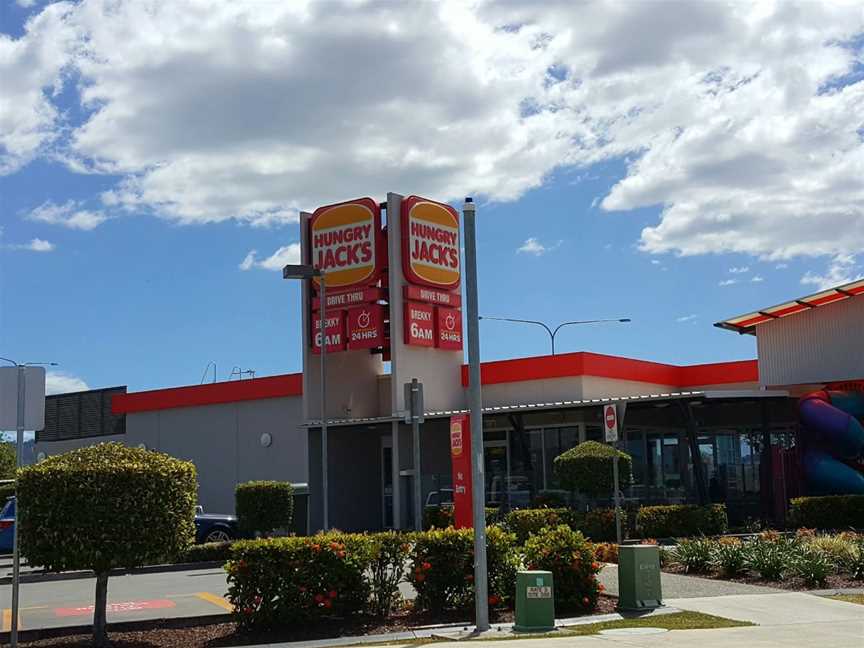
(363, 319)
(450, 322)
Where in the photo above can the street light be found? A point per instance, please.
(553, 332)
(309, 272)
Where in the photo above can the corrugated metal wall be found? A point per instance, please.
(820, 345)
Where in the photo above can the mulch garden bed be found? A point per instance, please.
(199, 633)
(835, 581)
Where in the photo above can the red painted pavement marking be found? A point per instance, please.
(128, 606)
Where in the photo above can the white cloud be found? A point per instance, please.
(740, 120)
(756, 279)
(843, 269)
(655, 262)
(25, 4)
(686, 318)
(535, 247)
(739, 270)
(781, 266)
(60, 382)
(35, 245)
(288, 254)
(728, 282)
(68, 215)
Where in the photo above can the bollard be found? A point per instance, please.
(535, 602)
(639, 577)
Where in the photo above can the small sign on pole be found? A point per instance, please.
(610, 422)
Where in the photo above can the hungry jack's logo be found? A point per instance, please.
(430, 243)
(345, 242)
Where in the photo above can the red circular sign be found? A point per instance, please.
(610, 417)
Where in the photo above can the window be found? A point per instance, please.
(556, 441)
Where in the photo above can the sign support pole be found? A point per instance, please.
(415, 431)
(617, 494)
(16, 557)
(475, 405)
(325, 491)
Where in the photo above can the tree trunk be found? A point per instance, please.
(100, 631)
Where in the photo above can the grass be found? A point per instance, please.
(849, 598)
(674, 621)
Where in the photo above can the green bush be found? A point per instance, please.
(598, 525)
(441, 517)
(442, 567)
(525, 522)
(388, 559)
(587, 468)
(296, 580)
(812, 566)
(853, 564)
(264, 506)
(8, 460)
(207, 552)
(681, 520)
(835, 547)
(570, 558)
(6, 491)
(730, 557)
(829, 512)
(771, 558)
(105, 506)
(694, 555)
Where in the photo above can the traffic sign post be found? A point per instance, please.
(414, 416)
(610, 425)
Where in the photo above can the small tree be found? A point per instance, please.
(587, 468)
(264, 506)
(104, 507)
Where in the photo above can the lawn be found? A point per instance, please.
(849, 598)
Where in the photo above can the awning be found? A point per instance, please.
(747, 323)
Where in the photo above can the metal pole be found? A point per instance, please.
(325, 491)
(475, 405)
(16, 558)
(415, 430)
(617, 494)
(553, 344)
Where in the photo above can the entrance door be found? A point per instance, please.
(497, 469)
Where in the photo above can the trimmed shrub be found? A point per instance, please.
(388, 564)
(570, 558)
(441, 517)
(598, 525)
(264, 506)
(296, 580)
(442, 567)
(525, 522)
(730, 557)
(828, 512)
(694, 555)
(681, 520)
(106, 506)
(587, 468)
(207, 552)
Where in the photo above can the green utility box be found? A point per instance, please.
(639, 577)
(535, 602)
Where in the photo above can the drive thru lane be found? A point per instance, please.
(133, 597)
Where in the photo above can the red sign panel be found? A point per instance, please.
(432, 296)
(366, 327)
(419, 324)
(460, 459)
(334, 329)
(350, 298)
(430, 243)
(448, 329)
(345, 241)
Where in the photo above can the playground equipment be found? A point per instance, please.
(833, 442)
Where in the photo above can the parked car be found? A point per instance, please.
(7, 525)
(214, 527)
(440, 498)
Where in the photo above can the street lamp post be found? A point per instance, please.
(553, 332)
(309, 272)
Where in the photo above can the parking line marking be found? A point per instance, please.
(7, 620)
(215, 600)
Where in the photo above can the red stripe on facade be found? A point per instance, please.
(570, 365)
(210, 394)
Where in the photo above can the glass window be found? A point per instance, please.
(526, 466)
(635, 447)
(557, 440)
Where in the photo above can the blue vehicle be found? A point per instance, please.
(7, 525)
(214, 527)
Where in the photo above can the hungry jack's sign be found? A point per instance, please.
(345, 242)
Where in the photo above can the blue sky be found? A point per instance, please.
(136, 183)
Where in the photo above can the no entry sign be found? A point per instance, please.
(610, 423)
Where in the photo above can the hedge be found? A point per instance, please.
(587, 468)
(828, 512)
(296, 580)
(264, 506)
(599, 524)
(570, 558)
(526, 522)
(681, 520)
(441, 517)
(6, 491)
(207, 552)
(442, 568)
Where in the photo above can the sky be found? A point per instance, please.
(672, 163)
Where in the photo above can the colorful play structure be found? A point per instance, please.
(832, 440)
